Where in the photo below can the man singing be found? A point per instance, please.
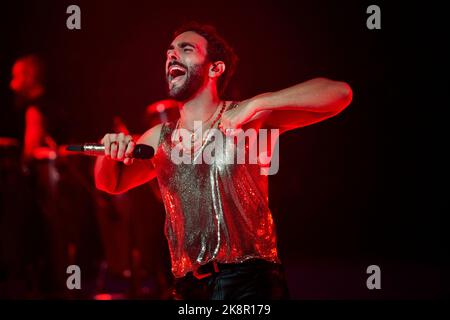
(218, 223)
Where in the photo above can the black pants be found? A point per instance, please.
(250, 280)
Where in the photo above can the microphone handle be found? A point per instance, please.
(94, 149)
(141, 151)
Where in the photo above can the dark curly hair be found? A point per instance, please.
(217, 50)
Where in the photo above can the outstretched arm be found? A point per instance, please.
(297, 106)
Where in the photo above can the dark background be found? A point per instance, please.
(355, 190)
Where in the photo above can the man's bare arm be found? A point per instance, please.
(300, 105)
(116, 172)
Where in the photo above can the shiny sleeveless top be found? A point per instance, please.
(214, 211)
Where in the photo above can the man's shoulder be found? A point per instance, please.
(151, 136)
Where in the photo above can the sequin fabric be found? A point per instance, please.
(216, 211)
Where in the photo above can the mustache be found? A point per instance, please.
(176, 63)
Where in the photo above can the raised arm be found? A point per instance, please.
(297, 106)
(116, 172)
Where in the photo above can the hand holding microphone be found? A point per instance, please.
(116, 146)
(119, 147)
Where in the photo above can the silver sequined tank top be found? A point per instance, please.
(214, 211)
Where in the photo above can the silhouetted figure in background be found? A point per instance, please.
(31, 231)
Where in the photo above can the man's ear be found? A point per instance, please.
(216, 69)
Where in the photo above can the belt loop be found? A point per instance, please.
(201, 276)
(216, 267)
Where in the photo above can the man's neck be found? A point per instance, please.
(201, 107)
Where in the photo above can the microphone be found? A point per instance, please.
(141, 151)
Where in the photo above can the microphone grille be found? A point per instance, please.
(143, 151)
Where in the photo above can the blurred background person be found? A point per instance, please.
(23, 136)
(33, 253)
(28, 85)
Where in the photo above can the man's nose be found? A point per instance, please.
(172, 55)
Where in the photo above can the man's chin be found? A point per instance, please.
(178, 94)
(184, 87)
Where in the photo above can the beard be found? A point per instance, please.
(193, 82)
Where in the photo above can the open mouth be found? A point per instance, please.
(176, 73)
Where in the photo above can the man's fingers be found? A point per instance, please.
(118, 146)
(106, 142)
(226, 124)
(113, 150)
(122, 142)
(129, 150)
(128, 161)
